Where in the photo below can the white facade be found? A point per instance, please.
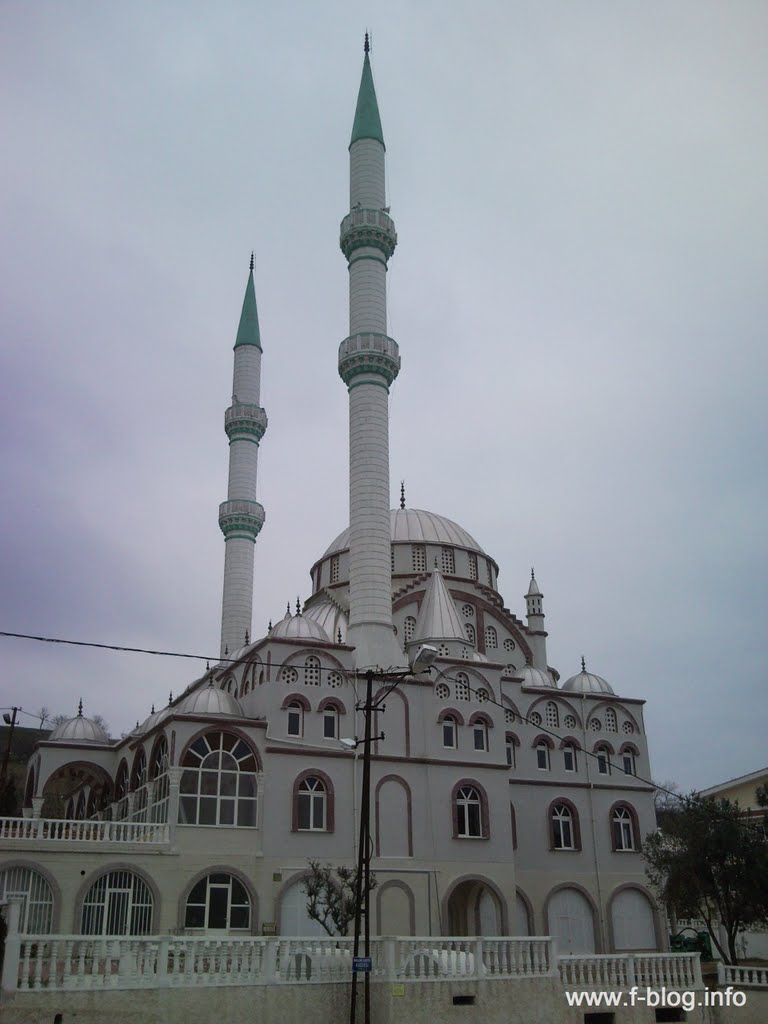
(502, 802)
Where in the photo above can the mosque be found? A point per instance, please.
(504, 800)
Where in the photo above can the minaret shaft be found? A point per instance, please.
(240, 516)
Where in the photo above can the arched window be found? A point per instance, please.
(542, 755)
(469, 629)
(491, 638)
(469, 816)
(36, 898)
(158, 772)
(462, 686)
(409, 627)
(121, 791)
(611, 724)
(569, 757)
(511, 741)
(628, 760)
(419, 558)
(472, 566)
(331, 723)
(480, 736)
(295, 719)
(312, 671)
(552, 715)
(603, 760)
(218, 902)
(118, 903)
(450, 732)
(448, 562)
(139, 786)
(624, 832)
(311, 805)
(218, 784)
(563, 827)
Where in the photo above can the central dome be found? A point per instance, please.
(415, 526)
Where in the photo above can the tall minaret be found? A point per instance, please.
(241, 516)
(537, 635)
(369, 361)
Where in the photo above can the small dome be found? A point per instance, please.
(211, 701)
(78, 730)
(329, 617)
(536, 677)
(587, 682)
(153, 719)
(299, 627)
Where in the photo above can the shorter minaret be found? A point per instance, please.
(537, 635)
(241, 516)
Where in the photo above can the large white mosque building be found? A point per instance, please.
(506, 800)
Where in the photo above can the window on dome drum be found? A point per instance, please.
(392, 560)
(542, 756)
(331, 724)
(218, 783)
(469, 813)
(623, 832)
(462, 686)
(312, 671)
(450, 735)
(628, 762)
(447, 561)
(409, 628)
(311, 805)
(469, 629)
(335, 569)
(468, 610)
(419, 558)
(218, 902)
(118, 903)
(509, 645)
(491, 638)
(552, 715)
(480, 736)
(562, 828)
(442, 650)
(36, 898)
(569, 757)
(472, 566)
(610, 720)
(603, 761)
(490, 573)
(295, 719)
(442, 691)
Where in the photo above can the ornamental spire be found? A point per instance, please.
(367, 123)
(248, 329)
(402, 494)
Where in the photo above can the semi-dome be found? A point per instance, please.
(210, 701)
(415, 526)
(535, 677)
(152, 719)
(587, 682)
(299, 627)
(330, 617)
(78, 730)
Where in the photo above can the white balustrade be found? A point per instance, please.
(63, 830)
(743, 975)
(623, 970)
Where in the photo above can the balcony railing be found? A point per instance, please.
(742, 976)
(63, 830)
(623, 970)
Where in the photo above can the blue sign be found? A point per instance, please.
(362, 964)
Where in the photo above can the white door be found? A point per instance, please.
(632, 919)
(488, 914)
(570, 921)
(294, 919)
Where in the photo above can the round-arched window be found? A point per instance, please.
(118, 903)
(218, 902)
(218, 784)
(36, 899)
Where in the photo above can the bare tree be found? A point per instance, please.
(43, 714)
(332, 896)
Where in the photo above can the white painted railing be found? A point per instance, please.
(745, 976)
(623, 970)
(434, 957)
(63, 830)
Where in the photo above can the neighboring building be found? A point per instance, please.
(490, 814)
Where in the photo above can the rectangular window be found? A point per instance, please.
(602, 762)
(449, 734)
(329, 725)
(448, 564)
(335, 569)
(294, 722)
(481, 737)
(473, 567)
(419, 558)
(569, 757)
(629, 764)
(542, 756)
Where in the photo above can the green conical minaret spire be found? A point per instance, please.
(367, 123)
(248, 331)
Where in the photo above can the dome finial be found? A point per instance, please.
(288, 609)
(170, 698)
(153, 710)
(251, 261)
(226, 650)
(207, 666)
(583, 664)
(533, 574)
(269, 626)
(247, 638)
(402, 494)
(298, 606)
(366, 45)
(80, 708)
(338, 636)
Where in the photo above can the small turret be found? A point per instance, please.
(534, 610)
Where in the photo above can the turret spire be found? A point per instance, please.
(241, 516)
(367, 123)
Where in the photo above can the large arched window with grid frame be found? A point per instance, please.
(36, 898)
(218, 783)
(118, 903)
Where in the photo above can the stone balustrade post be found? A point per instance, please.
(554, 961)
(174, 781)
(479, 971)
(269, 964)
(9, 980)
(698, 981)
(388, 956)
(631, 973)
(163, 979)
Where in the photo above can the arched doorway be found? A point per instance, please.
(294, 919)
(632, 921)
(474, 909)
(571, 921)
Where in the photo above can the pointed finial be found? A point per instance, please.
(338, 636)
(137, 723)
(288, 608)
(367, 45)
(210, 683)
(251, 262)
(435, 569)
(583, 665)
(298, 606)
(226, 650)
(153, 710)
(402, 494)
(533, 574)
(80, 708)
(247, 638)
(170, 698)
(269, 627)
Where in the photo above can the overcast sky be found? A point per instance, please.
(579, 294)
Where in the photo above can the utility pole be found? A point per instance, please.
(9, 720)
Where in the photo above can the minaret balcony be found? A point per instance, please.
(363, 228)
(246, 422)
(369, 353)
(241, 518)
